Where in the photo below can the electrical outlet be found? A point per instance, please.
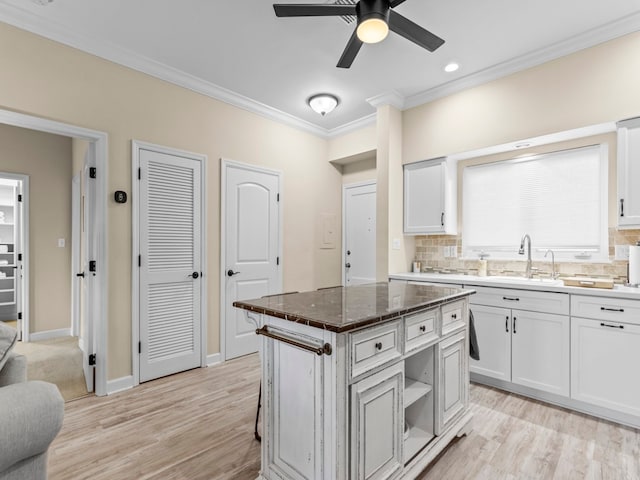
(453, 251)
(395, 244)
(622, 252)
(446, 252)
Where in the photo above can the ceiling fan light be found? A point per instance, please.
(372, 30)
(323, 103)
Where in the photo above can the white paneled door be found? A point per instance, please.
(252, 246)
(360, 234)
(170, 264)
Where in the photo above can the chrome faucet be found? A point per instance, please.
(521, 252)
(554, 274)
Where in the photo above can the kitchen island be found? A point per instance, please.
(362, 382)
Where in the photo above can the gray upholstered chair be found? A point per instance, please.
(31, 416)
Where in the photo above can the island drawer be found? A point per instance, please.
(453, 317)
(421, 329)
(532, 300)
(603, 308)
(376, 346)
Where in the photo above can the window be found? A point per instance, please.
(559, 199)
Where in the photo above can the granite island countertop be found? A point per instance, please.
(340, 309)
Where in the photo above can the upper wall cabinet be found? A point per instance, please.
(629, 173)
(430, 197)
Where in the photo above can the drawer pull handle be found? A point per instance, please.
(611, 326)
(621, 310)
(511, 299)
(379, 346)
(423, 328)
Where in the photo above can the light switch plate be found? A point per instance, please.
(622, 252)
(395, 244)
(61, 243)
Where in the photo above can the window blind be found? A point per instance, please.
(559, 199)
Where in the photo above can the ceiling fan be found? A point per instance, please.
(375, 19)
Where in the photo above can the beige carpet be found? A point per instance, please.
(59, 361)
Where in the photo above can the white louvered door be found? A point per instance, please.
(170, 267)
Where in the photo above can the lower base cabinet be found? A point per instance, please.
(605, 357)
(453, 380)
(376, 425)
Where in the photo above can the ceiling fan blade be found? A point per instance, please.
(414, 32)
(350, 51)
(312, 10)
(395, 3)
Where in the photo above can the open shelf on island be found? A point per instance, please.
(413, 390)
(416, 441)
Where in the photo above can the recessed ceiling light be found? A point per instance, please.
(451, 67)
(42, 2)
(323, 103)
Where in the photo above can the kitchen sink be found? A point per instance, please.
(524, 281)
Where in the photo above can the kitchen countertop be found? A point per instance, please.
(340, 309)
(521, 283)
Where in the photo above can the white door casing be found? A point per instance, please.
(250, 249)
(76, 226)
(171, 261)
(359, 238)
(86, 338)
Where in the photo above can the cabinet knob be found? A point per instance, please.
(423, 328)
(454, 316)
(379, 346)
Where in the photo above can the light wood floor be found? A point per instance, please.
(199, 425)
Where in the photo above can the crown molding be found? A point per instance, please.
(357, 124)
(604, 33)
(27, 21)
(391, 97)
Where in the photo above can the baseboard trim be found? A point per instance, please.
(214, 359)
(48, 334)
(119, 384)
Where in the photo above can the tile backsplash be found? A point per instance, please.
(430, 251)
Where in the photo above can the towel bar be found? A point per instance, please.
(324, 350)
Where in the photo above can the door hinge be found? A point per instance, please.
(92, 360)
(20, 197)
(139, 260)
(278, 197)
(139, 347)
(92, 172)
(19, 315)
(92, 266)
(139, 173)
(277, 260)
(19, 257)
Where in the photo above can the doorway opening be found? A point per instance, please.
(41, 244)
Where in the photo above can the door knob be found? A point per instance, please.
(231, 273)
(195, 275)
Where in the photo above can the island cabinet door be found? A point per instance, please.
(452, 368)
(293, 431)
(377, 425)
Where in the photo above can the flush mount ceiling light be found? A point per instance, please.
(323, 103)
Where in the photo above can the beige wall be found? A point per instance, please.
(360, 171)
(129, 105)
(592, 86)
(46, 159)
(353, 143)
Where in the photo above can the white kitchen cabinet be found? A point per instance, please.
(453, 380)
(605, 352)
(629, 173)
(493, 331)
(430, 197)
(528, 348)
(540, 345)
(377, 426)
